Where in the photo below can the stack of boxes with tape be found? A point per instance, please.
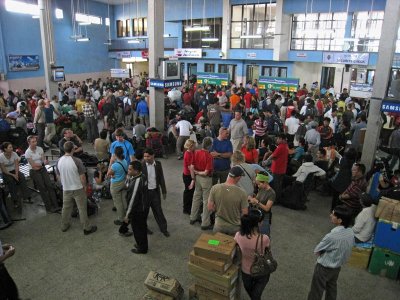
(385, 258)
(211, 263)
(162, 287)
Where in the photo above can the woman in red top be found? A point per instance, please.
(188, 175)
(249, 150)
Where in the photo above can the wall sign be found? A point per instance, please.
(188, 52)
(120, 73)
(19, 63)
(123, 54)
(390, 106)
(278, 83)
(345, 58)
(361, 90)
(212, 78)
(251, 55)
(161, 84)
(145, 53)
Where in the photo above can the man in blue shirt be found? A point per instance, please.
(221, 151)
(142, 111)
(129, 152)
(333, 251)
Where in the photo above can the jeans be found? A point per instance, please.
(79, 196)
(324, 279)
(265, 226)
(3, 209)
(187, 194)
(219, 176)
(201, 193)
(254, 286)
(118, 193)
(44, 185)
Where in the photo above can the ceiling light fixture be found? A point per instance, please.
(213, 39)
(197, 28)
(251, 36)
(83, 39)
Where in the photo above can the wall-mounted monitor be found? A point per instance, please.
(169, 69)
(58, 74)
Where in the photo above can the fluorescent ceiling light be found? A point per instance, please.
(77, 36)
(167, 35)
(84, 23)
(197, 28)
(134, 42)
(22, 7)
(255, 36)
(87, 19)
(59, 13)
(214, 39)
(83, 39)
(107, 21)
(134, 59)
(205, 46)
(35, 17)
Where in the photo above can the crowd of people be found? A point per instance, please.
(244, 150)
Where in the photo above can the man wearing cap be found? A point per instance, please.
(229, 203)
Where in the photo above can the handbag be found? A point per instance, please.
(263, 264)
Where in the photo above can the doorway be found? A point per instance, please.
(327, 77)
(230, 69)
(252, 72)
(192, 70)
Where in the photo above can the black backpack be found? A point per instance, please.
(301, 132)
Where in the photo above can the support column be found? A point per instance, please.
(46, 33)
(282, 29)
(226, 29)
(387, 48)
(156, 51)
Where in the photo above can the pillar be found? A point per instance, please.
(387, 48)
(46, 33)
(156, 51)
(282, 29)
(226, 29)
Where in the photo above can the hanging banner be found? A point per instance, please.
(188, 52)
(361, 90)
(212, 78)
(345, 58)
(278, 83)
(161, 84)
(18, 63)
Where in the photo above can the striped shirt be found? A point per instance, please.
(335, 248)
(88, 110)
(261, 127)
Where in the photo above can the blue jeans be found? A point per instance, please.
(265, 226)
(254, 285)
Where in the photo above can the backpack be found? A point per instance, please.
(278, 125)
(4, 126)
(301, 132)
(311, 112)
(263, 105)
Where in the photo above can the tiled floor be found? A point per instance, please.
(49, 264)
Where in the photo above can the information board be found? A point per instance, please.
(212, 78)
(278, 83)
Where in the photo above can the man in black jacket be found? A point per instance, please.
(137, 203)
(153, 171)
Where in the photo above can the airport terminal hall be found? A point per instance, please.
(199, 149)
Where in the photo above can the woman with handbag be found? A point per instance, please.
(251, 241)
(118, 171)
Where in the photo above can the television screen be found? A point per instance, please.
(58, 74)
(172, 69)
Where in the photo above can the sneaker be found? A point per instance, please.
(64, 229)
(91, 230)
(118, 222)
(166, 234)
(126, 234)
(114, 208)
(136, 251)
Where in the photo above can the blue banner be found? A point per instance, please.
(390, 106)
(161, 84)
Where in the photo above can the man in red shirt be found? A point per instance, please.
(203, 168)
(279, 163)
(247, 100)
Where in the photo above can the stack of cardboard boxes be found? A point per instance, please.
(162, 287)
(385, 258)
(211, 263)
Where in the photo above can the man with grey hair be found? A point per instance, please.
(203, 168)
(313, 139)
(238, 130)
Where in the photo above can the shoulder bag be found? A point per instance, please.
(263, 264)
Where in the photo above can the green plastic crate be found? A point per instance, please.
(384, 263)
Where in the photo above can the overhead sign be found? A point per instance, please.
(345, 58)
(390, 106)
(278, 83)
(120, 73)
(161, 84)
(361, 90)
(188, 52)
(212, 78)
(123, 54)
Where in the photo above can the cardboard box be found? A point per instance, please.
(153, 295)
(163, 284)
(384, 263)
(206, 294)
(226, 280)
(216, 247)
(225, 291)
(388, 209)
(359, 257)
(387, 236)
(192, 292)
(217, 266)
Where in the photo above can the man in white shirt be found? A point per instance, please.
(71, 173)
(291, 126)
(331, 114)
(365, 221)
(185, 129)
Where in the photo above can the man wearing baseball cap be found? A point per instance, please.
(229, 203)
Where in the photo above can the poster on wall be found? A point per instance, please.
(18, 63)
(361, 90)
(278, 83)
(212, 78)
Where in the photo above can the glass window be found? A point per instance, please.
(274, 71)
(210, 68)
(128, 27)
(366, 31)
(195, 39)
(250, 20)
(120, 28)
(323, 31)
(144, 26)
